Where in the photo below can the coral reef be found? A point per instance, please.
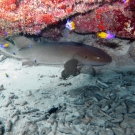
(119, 18)
(32, 16)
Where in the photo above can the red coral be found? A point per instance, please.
(45, 18)
(8, 5)
(119, 19)
(62, 6)
(57, 1)
(24, 15)
(7, 2)
(69, 9)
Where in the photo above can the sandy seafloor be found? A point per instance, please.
(103, 104)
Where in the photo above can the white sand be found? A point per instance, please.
(35, 80)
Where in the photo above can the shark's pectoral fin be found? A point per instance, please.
(27, 62)
(70, 68)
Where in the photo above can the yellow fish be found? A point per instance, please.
(70, 25)
(105, 35)
(6, 75)
(126, 1)
(4, 45)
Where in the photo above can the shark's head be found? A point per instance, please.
(93, 56)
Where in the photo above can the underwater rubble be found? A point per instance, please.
(104, 107)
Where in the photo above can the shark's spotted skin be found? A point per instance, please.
(55, 53)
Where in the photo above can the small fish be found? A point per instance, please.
(30, 46)
(6, 75)
(70, 25)
(14, 53)
(68, 33)
(38, 32)
(4, 45)
(6, 33)
(106, 35)
(125, 1)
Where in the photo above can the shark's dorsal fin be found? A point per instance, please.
(22, 42)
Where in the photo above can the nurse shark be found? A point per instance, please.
(54, 53)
